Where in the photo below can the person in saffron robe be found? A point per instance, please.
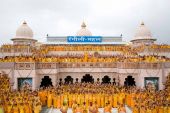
(78, 109)
(74, 106)
(135, 109)
(49, 100)
(21, 108)
(15, 108)
(55, 101)
(85, 109)
(1, 108)
(91, 108)
(107, 108)
(58, 101)
(37, 108)
(27, 108)
(115, 100)
(121, 109)
(9, 108)
(64, 108)
(98, 100)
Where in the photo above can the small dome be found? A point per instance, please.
(24, 31)
(83, 31)
(143, 32)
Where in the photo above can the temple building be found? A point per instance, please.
(84, 58)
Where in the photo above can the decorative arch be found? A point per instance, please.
(87, 78)
(68, 80)
(46, 82)
(106, 80)
(129, 81)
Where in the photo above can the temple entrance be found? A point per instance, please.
(68, 80)
(87, 78)
(129, 81)
(106, 80)
(46, 82)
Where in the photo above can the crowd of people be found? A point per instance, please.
(44, 49)
(85, 48)
(13, 101)
(127, 53)
(122, 48)
(84, 98)
(8, 48)
(86, 58)
(162, 46)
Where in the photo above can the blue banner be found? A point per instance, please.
(84, 39)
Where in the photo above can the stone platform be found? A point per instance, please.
(51, 110)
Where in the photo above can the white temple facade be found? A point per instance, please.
(34, 73)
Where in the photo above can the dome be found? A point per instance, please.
(83, 31)
(24, 31)
(143, 32)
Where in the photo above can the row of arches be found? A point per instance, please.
(87, 79)
(46, 81)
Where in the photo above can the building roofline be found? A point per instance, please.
(143, 39)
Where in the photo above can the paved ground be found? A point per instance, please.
(114, 110)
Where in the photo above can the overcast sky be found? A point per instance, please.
(103, 17)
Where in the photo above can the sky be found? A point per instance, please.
(103, 17)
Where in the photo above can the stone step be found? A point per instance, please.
(51, 110)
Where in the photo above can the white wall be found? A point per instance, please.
(24, 74)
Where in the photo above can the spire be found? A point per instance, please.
(83, 25)
(24, 22)
(83, 31)
(142, 23)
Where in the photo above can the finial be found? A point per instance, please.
(24, 22)
(121, 35)
(83, 25)
(142, 23)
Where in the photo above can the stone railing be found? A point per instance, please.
(120, 65)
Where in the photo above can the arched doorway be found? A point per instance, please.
(87, 78)
(46, 82)
(129, 81)
(106, 80)
(68, 80)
